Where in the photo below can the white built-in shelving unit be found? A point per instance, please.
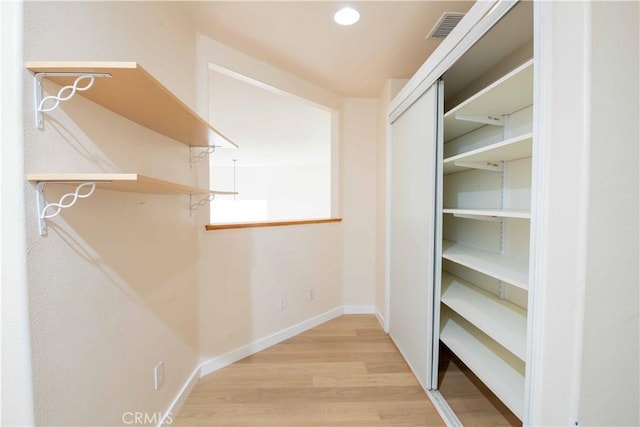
(129, 90)
(486, 175)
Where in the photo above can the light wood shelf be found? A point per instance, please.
(507, 95)
(503, 151)
(135, 94)
(499, 213)
(508, 268)
(503, 321)
(126, 182)
(499, 369)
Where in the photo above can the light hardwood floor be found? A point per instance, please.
(346, 372)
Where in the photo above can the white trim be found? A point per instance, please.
(178, 401)
(443, 408)
(358, 309)
(380, 318)
(233, 356)
(387, 230)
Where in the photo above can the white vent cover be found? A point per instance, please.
(445, 25)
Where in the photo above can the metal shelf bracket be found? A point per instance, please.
(194, 156)
(195, 205)
(64, 94)
(56, 208)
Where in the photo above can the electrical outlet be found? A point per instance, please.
(158, 375)
(283, 303)
(312, 294)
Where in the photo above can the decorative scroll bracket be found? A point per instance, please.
(203, 201)
(487, 166)
(195, 157)
(56, 208)
(480, 118)
(62, 93)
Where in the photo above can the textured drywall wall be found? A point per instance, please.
(610, 353)
(245, 273)
(359, 139)
(16, 390)
(112, 287)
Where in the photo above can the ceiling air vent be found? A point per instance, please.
(445, 25)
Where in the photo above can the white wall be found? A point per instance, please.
(112, 288)
(359, 139)
(585, 356)
(610, 353)
(245, 272)
(16, 388)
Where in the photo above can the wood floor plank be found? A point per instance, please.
(417, 413)
(286, 414)
(339, 356)
(306, 394)
(365, 380)
(386, 367)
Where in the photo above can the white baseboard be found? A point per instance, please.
(227, 359)
(380, 318)
(358, 309)
(178, 401)
(233, 356)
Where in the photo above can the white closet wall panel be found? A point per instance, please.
(412, 218)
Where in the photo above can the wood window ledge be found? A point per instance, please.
(230, 226)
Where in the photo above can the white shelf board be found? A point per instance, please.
(500, 213)
(494, 365)
(126, 182)
(508, 268)
(503, 321)
(503, 151)
(507, 95)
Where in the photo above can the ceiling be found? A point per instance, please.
(300, 37)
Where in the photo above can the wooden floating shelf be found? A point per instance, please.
(126, 182)
(503, 321)
(499, 369)
(508, 268)
(499, 213)
(507, 95)
(508, 150)
(135, 94)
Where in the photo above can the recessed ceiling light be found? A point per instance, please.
(346, 16)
